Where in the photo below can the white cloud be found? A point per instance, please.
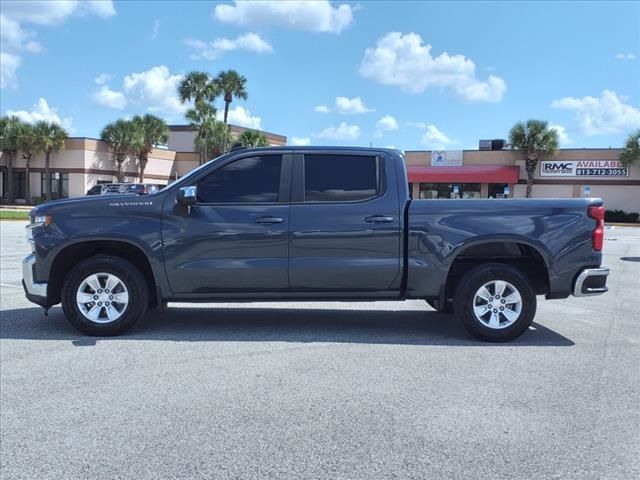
(626, 56)
(249, 42)
(417, 124)
(102, 78)
(242, 117)
(387, 124)
(110, 98)
(15, 39)
(563, 136)
(346, 106)
(54, 12)
(404, 61)
(154, 90)
(156, 29)
(301, 141)
(600, 115)
(434, 138)
(341, 132)
(9, 64)
(308, 15)
(41, 111)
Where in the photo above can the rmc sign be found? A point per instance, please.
(582, 168)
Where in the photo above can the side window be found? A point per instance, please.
(248, 180)
(341, 178)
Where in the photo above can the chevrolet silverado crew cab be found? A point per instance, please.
(310, 223)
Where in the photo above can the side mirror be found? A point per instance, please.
(187, 196)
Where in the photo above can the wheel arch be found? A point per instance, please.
(533, 260)
(74, 253)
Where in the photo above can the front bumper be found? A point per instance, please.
(35, 292)
(591, 281)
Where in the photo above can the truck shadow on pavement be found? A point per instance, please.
(252, 324)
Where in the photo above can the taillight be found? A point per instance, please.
(597, 237)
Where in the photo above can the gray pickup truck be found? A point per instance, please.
(310, 223)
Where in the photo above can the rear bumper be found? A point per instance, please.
(591, 281)
(35, 292)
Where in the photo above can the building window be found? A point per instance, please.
(19, 184)
(449, 190)
(497, 190)
(59, 185)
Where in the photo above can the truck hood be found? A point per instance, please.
(91, 202)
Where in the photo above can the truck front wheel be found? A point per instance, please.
(104, 296)
(495, 302)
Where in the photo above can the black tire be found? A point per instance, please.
(130, 276)
(465, 297)
(448, 307)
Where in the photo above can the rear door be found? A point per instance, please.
(234, 241)
(345, 230)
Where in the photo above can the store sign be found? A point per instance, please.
(446, 158)
(582, 168)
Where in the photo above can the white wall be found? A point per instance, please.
(181, 141)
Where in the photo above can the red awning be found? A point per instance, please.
(470, 174)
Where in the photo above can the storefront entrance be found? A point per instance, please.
(450, 190)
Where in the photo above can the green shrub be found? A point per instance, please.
(620, 216)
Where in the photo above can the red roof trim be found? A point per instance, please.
(469, 174)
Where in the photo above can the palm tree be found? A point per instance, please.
(148, 131)
(28, 144)
(534, 138)
(230, 84)
(119, 135)
(49, 137)
(199, 87)
(203, 117)
(9, 128)
(253, 138)
(218, 138)
(631, 152)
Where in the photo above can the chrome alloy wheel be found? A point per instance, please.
(102, 298)
(497, 304)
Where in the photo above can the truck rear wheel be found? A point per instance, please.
(495, 302)
(104, 296)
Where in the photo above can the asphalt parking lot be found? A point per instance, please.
(330, 390)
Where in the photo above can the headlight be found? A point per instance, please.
(43, 220)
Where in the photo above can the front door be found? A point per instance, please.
(345, 225)
(235, 239)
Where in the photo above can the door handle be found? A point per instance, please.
(379, 219)
(267, 220)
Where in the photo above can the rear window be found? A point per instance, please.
(341, 178)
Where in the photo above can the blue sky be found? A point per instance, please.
(414, 75)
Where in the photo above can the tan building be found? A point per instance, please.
(85, 162)
(182, 137)
(571, 173)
